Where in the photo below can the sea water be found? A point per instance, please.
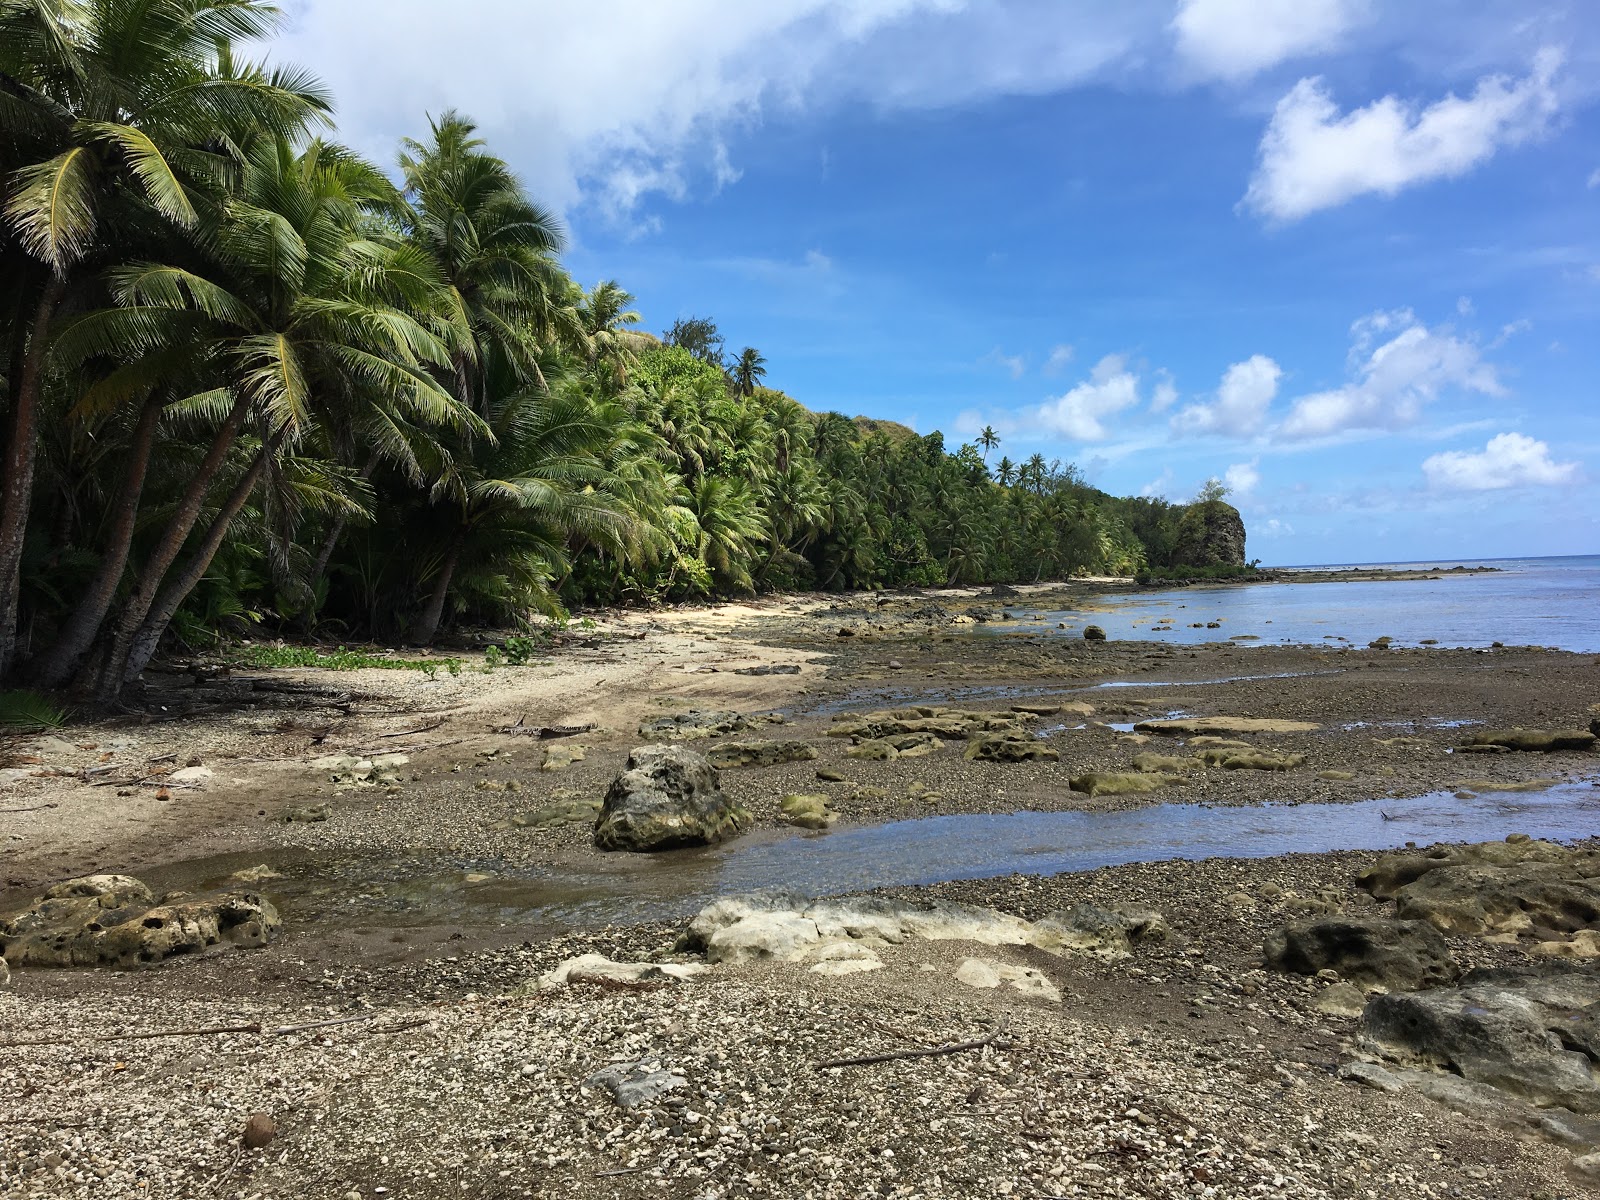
(1553, 602)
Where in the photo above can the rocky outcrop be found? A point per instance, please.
(1529, 1035)
(759, 753)
(1009, 748)
(808, 811)
(667, 797)
(1372, 952)
(1223, 726)
(696, 725)
(1119, 783)
(951, 724)
(115, 920)
(787, 928)
(598, 969)
(1210, 534)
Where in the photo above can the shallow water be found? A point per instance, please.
(1538, 601)
(362, 890)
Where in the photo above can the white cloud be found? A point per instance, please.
(1245, 395)
(1232, 39)
(1160, 486)
(1313, 157)
(1594, 178)
(1111, 388)
(613, 102)
(1509, 460)
(1165, 394)
(1058, 359)
(1013, 364)
(1393, 380)
(1273, 528)
(1242, 478)
(1464, 306)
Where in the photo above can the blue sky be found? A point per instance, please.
(1344, 254)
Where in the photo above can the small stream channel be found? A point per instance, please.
(362, 890)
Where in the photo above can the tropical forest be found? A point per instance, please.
(255, 383)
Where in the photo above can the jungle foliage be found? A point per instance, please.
(252, 383)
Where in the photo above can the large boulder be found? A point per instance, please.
(114, 920)
(1210, 534)
(1372, 952)
(1394, 871)
(667, 797)
(1508, 1033)
(1534, 739)
(1511, 900)
(1104, 932)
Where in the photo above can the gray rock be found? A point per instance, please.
(1394, 871)
(769, 669)
(306, 814)
(1470, 899)
(1372, 952)
(1490, 1034)
(1093, 633)
(636, 1084)
(667, 797)
(1012, 748)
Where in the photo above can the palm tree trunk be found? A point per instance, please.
(75, 638)
(16, 469)
(428, 622)
(154, 570)
(175, 591)
(331, 542)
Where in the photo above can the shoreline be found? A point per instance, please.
(486, 1073)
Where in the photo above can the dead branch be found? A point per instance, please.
(32, 808)
(994, 1039)
(202, 1031)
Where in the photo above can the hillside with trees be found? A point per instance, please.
(255, 382)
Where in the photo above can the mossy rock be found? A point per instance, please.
(759, 754)
(1251, 760)
(1336, 776)
(1535, 739)
(812, 811)
(872, 750)
(1166, 764)
(1113, 783)
(1093, 633)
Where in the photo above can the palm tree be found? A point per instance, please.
(301, 317)
(730, 524)
(115, 114)
(749, 369)
(988, 439)
(1005, 472)
(605, 316)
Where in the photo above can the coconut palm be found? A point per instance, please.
(115, 114)
(606, 318)
(988, 439)
(749, 369)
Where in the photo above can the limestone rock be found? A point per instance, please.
(1340, 1000)
(597, 968)
(843, 958)
(5, 973)
(667, 797)
(561, 756)
(1535, 739)
(1371, 952)
(306, 814)
(1010, 749)
(1469, 899)
(1492, 1032)
(576, 810)
(1394, 871)
(113, 920)
(635, 1084)
(811, 811)
(1114, 783)
(1210, 534)
(1093, 633)
(985, 973)
(1250, 760)
(1109, 932)
(1166, 764)
(759, 753)
(693, 725)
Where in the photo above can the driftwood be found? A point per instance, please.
(994, 1039)
(545, 732)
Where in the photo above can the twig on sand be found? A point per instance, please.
(428, 728)
(618, 1171)
(994, 1039)
(30, 808)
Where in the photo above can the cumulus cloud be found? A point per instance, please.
(1232, 39)
(613, 102)
(1081, 413)
(1240, 409)
(1165, 394)
(1398, 366)
(1241, 478)
(1013, 364)
(1509, 460)
(1312, 156)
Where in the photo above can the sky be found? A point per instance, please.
(1342, 254)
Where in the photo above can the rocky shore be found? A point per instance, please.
(1280, 1026)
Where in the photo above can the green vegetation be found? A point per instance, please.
(27, 712)
(252, 387)
(333, 660)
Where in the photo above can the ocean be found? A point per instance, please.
(1553, 602)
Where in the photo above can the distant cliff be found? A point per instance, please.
(1210, 534)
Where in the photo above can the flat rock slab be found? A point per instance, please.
(636, 1084)
(1223, 726)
